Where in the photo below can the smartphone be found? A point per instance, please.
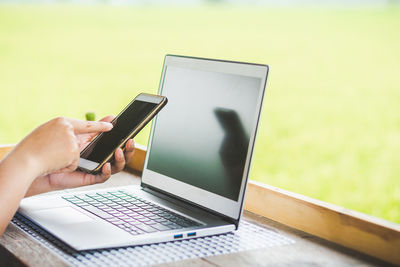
(127, 124)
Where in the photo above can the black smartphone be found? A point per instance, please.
(127, 124)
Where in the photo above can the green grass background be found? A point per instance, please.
(330, 126)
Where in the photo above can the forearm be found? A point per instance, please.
(16, 174)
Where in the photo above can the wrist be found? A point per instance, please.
(26, 163)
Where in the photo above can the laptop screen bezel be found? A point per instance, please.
(187, 192)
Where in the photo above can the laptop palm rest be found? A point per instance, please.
(76, 228)
(62, 215)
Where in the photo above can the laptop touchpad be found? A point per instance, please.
(63, 215)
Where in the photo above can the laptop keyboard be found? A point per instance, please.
(130, 213)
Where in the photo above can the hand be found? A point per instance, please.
(58, 181)
(54, 146)
(120, 157)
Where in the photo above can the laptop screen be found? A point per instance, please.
(202, 136)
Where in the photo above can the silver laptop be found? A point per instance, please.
(196, 169)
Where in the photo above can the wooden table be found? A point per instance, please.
(19, 249)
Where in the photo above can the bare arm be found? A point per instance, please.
(52, 147)
(16, 174)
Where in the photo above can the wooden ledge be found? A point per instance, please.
(355, 230)
(4, 149)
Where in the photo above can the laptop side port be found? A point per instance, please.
(191, 234)
(178, 236)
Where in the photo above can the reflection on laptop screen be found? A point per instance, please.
(201, 138)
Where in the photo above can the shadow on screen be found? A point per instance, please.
(233, 150)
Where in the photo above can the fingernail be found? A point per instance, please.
(108, 167)
(109, 125)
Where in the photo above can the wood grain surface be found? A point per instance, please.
(4, 149)
(372, 236)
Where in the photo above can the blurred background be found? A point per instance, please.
(330, 126)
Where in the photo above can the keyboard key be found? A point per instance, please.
(136, 209)
(105, 194)
(119, 222)
(129, 220)
(146, 228)
(92, 195)
(117, 194)
(69, 197)
(113, 220)
(82, 204)
(125, 197)
(152, 209)
(174, 226)
(84, 198)
(161, 227)
(145, 213)
(92, 202)
(158, 212)
(109, 210)
(123, 209)
(138, 216)
(76, 201)
(112, 211)
(101, 206)
(97, 212)
(116, 206)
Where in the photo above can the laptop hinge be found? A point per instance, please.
(177, 200)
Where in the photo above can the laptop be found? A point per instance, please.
(196, 168)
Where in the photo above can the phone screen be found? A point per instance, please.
(104, 145)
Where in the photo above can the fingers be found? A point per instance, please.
(90, 126)
(76, 179)
(89, 179)
(105, 119)
(119, 161)
(108, 118)
(129, 150)
(104, 175)
(122, 158)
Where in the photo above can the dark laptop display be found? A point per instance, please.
(202, 136)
